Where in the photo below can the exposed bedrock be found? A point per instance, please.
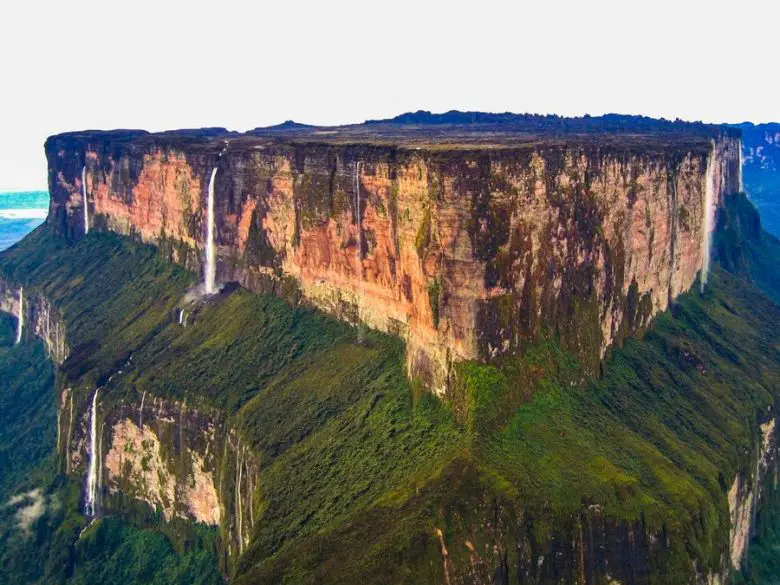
(41, 319)
(175, 460)
(465, 252)
(185, 462)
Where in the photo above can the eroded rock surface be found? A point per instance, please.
(466, 251)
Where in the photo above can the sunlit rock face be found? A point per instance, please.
(178, 460)
(465, 250)
(745, 495)
(41, 318)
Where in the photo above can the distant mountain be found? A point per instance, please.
(761, 160)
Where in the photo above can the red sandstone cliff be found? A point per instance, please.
(465, 248)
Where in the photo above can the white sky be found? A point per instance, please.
(78, 64)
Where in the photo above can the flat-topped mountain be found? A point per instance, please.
(461, 128)
(500, 356)
(464, 233)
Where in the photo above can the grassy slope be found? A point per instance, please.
(358, 469)
(335, 421)
(48, 551)
(657, 440)
(27, 410)
(44, 552)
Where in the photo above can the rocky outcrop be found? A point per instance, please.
(466, 251)
(41, 319)
(745, 495)
(179, 461)
(591, 547)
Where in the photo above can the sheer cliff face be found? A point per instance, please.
(41, 319)
(467, 252)
(746, 493)
(181, 461)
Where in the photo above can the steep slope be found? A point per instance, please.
(315, 381)
(623, 479)
(465, 241)
(595, 423)
(342, 472)
(39, 519)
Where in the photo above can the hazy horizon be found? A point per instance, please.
(158, 66)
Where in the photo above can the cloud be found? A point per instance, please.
(34, 508)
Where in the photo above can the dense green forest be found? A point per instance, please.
(40, 520)
(362, 469)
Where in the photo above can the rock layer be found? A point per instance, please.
(745, 495)
(41, 319)
(467, 251)
(180, 461)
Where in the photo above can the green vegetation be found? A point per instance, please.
(27, 411)
(763, 561)
(333, 420)
(111, 552)
(40, 519)
(434, 298)
(743, 248)
(360, 474)
(423, 237)
(655, 442)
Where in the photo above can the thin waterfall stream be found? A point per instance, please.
(210, 277)
(84, 198)
(90, 504)
(20, 322)
(709, 212)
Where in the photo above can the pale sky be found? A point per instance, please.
(68, 65)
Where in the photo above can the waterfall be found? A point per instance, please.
(181, 317)
(90, 505)
(141, 412)
(357, 205)
(209, 284)
(59, 427)
(360, 332)
(84, 197)
(100, 450)
(20, 322)
(239, 516)
(709, 213)
(67, 438)
(739, 171)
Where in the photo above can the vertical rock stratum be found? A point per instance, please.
(464, 244)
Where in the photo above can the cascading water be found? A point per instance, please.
(141, 412)
(90, 504)
(357, 206)
(210, 278)
(360, 332)
(709, 212)
(739, 170)
(84, 198)
(20, 322)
